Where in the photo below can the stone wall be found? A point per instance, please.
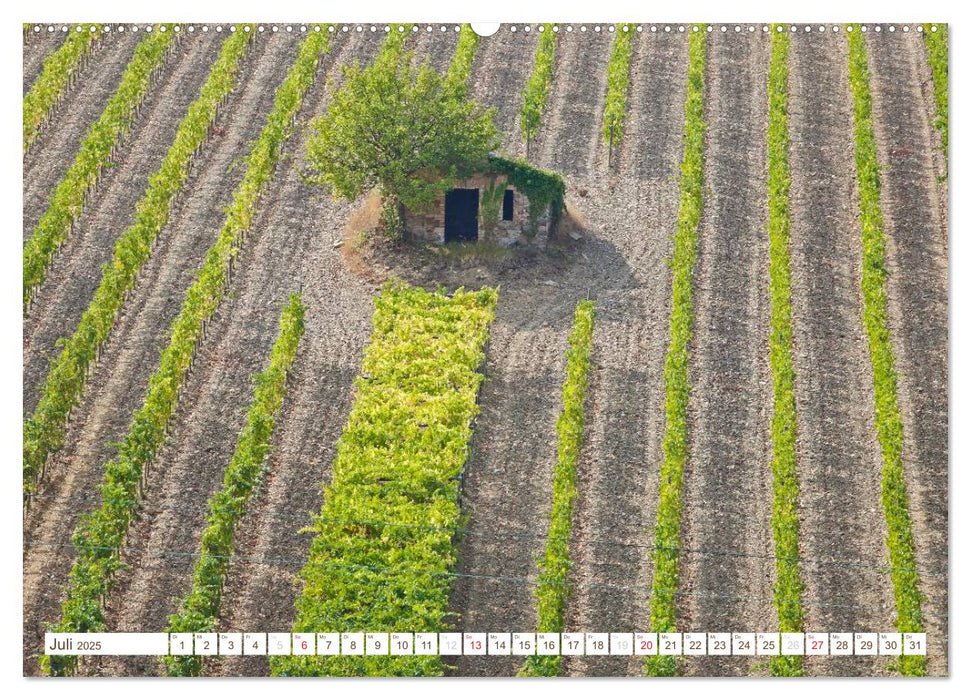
(429, 226)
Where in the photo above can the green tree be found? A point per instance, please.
(402, 129)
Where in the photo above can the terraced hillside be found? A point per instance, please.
(764, 248)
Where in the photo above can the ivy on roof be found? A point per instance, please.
(541, 187)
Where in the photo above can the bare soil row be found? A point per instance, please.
(842, 520)
(727, 568)
(629, 209)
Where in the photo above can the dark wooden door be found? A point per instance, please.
(461, 215)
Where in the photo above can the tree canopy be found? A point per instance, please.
(400, 128)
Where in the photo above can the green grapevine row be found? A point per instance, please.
(554, 567)
(675, 444)
(396, 38)
(399, 461)
(461, 65)
(937, 49)
(200, 608)
(618, 84)
(900, 538)
(59, 70)
(538, 89)
(785, 477)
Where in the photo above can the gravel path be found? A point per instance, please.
(838, 455)
(728, 484)
(140, 334)
(917, 293)
(71, 283)
(50, 156)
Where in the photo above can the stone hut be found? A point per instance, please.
(506, 203)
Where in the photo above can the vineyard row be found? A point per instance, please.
(553, 592)
(537, 90)
(399, 458)
(58, 73)
(667, 535)
(785, 476)
(199, 610)
(900, 538)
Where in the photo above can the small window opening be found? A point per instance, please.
(507, 206)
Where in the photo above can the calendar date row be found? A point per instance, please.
(489, 644)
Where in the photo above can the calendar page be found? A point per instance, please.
(485, 349)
